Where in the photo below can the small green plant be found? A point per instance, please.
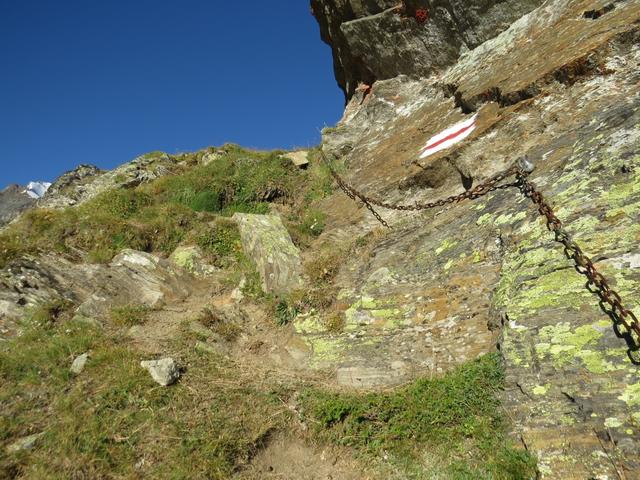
(253, 283)
(324, 267)
(285, 313)
(129, 315)
(49, 312)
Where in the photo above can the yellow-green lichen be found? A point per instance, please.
(505, 219)
(484, 219)
(185, 258)
(446, 245)
(511, 352)
(631, 396)
(308, 324)
(326, 350)
(564, 346)
(541, 389)
(376, 312)
(612, 422)
(619, 195)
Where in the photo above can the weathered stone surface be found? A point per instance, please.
(79, 363)
(13, 201)
(191, 259)
(266, 241)
(164, 372)
(87, 181)
(131, 278)
(381, 39)
(449, 284)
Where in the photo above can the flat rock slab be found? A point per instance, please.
(299, 159)
(266, 241)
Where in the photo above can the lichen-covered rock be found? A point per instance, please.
(381, 39)
(164, 372)
(190, 258)
(266, 241)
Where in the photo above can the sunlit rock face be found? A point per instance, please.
(560, 85)
(380, 39)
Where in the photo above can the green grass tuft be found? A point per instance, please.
(129, 315)
(457, 416)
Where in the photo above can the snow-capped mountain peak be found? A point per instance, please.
(37, 189)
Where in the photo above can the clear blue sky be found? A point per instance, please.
(88, 81)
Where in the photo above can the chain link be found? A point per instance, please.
(625, 321)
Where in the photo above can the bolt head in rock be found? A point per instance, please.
(79, 363)
(164, 371)
(525, 164)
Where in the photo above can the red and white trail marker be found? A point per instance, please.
(449, 137)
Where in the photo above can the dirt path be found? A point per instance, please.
(290, 458)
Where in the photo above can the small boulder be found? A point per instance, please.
(300, 159)
(78, 364)
(24, 443)
(237, 295)
(164, 371)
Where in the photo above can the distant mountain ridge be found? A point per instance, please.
(14, 199)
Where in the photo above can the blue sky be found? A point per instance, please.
(101, 82)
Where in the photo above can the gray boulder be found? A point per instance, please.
(133, 277)
(164, 371)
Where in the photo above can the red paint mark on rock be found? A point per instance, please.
(422, 15)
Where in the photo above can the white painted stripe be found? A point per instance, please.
(456, 133)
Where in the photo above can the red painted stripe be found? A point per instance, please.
(448, 137)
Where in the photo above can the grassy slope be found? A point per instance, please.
(160, 215)
(102, 423)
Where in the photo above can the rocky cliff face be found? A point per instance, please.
(380, 39)
(559, 85)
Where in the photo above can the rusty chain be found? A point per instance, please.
(625, 321)
(478, 191)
